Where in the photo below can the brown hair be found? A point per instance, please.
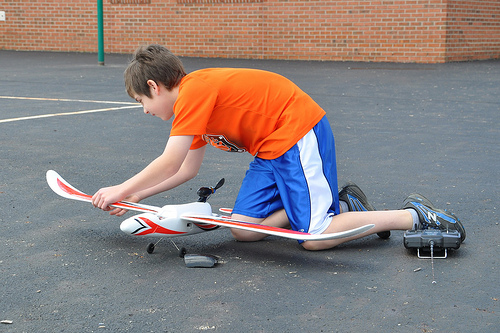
(153, 62)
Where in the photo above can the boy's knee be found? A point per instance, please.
(314, 246)
(237, 234)
(246, 236)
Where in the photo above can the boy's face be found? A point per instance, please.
(161, 103)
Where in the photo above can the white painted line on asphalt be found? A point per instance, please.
(129, 105)
(66, 100)
(68, 113)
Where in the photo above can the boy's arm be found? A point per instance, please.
(158, 171)
(188, 170)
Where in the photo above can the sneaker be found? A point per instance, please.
(357, 202)
(431, 217)
(355, 198)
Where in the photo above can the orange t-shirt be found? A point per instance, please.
(243, 110)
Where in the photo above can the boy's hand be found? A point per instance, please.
(121, 211)
(107, 196)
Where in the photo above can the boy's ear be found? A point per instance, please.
(152, 85)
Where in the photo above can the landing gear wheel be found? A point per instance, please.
(384, 234)
(151, 248)
(182, 252)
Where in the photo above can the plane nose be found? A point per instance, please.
(135, 225)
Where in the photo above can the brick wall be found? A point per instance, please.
(473, 30)
(427, 31)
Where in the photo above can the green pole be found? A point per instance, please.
(100, 34)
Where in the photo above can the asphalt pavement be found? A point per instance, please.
(399, 128)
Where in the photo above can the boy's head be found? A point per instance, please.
(153, 62)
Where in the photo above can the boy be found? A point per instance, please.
(292, 182)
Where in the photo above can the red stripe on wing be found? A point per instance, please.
(121, 204)
(71, 190)
(257, 226)
(131, 205)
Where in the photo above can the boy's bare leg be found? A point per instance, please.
(383, 220)
(277, 219)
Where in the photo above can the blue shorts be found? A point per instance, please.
(303, 181)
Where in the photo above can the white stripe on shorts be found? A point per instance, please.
(319, 189)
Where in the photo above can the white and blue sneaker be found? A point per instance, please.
(431, 217)
(355, 198)
(356, 201)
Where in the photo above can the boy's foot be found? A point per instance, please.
(431, 217)
(356, 201)
(355, 198)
